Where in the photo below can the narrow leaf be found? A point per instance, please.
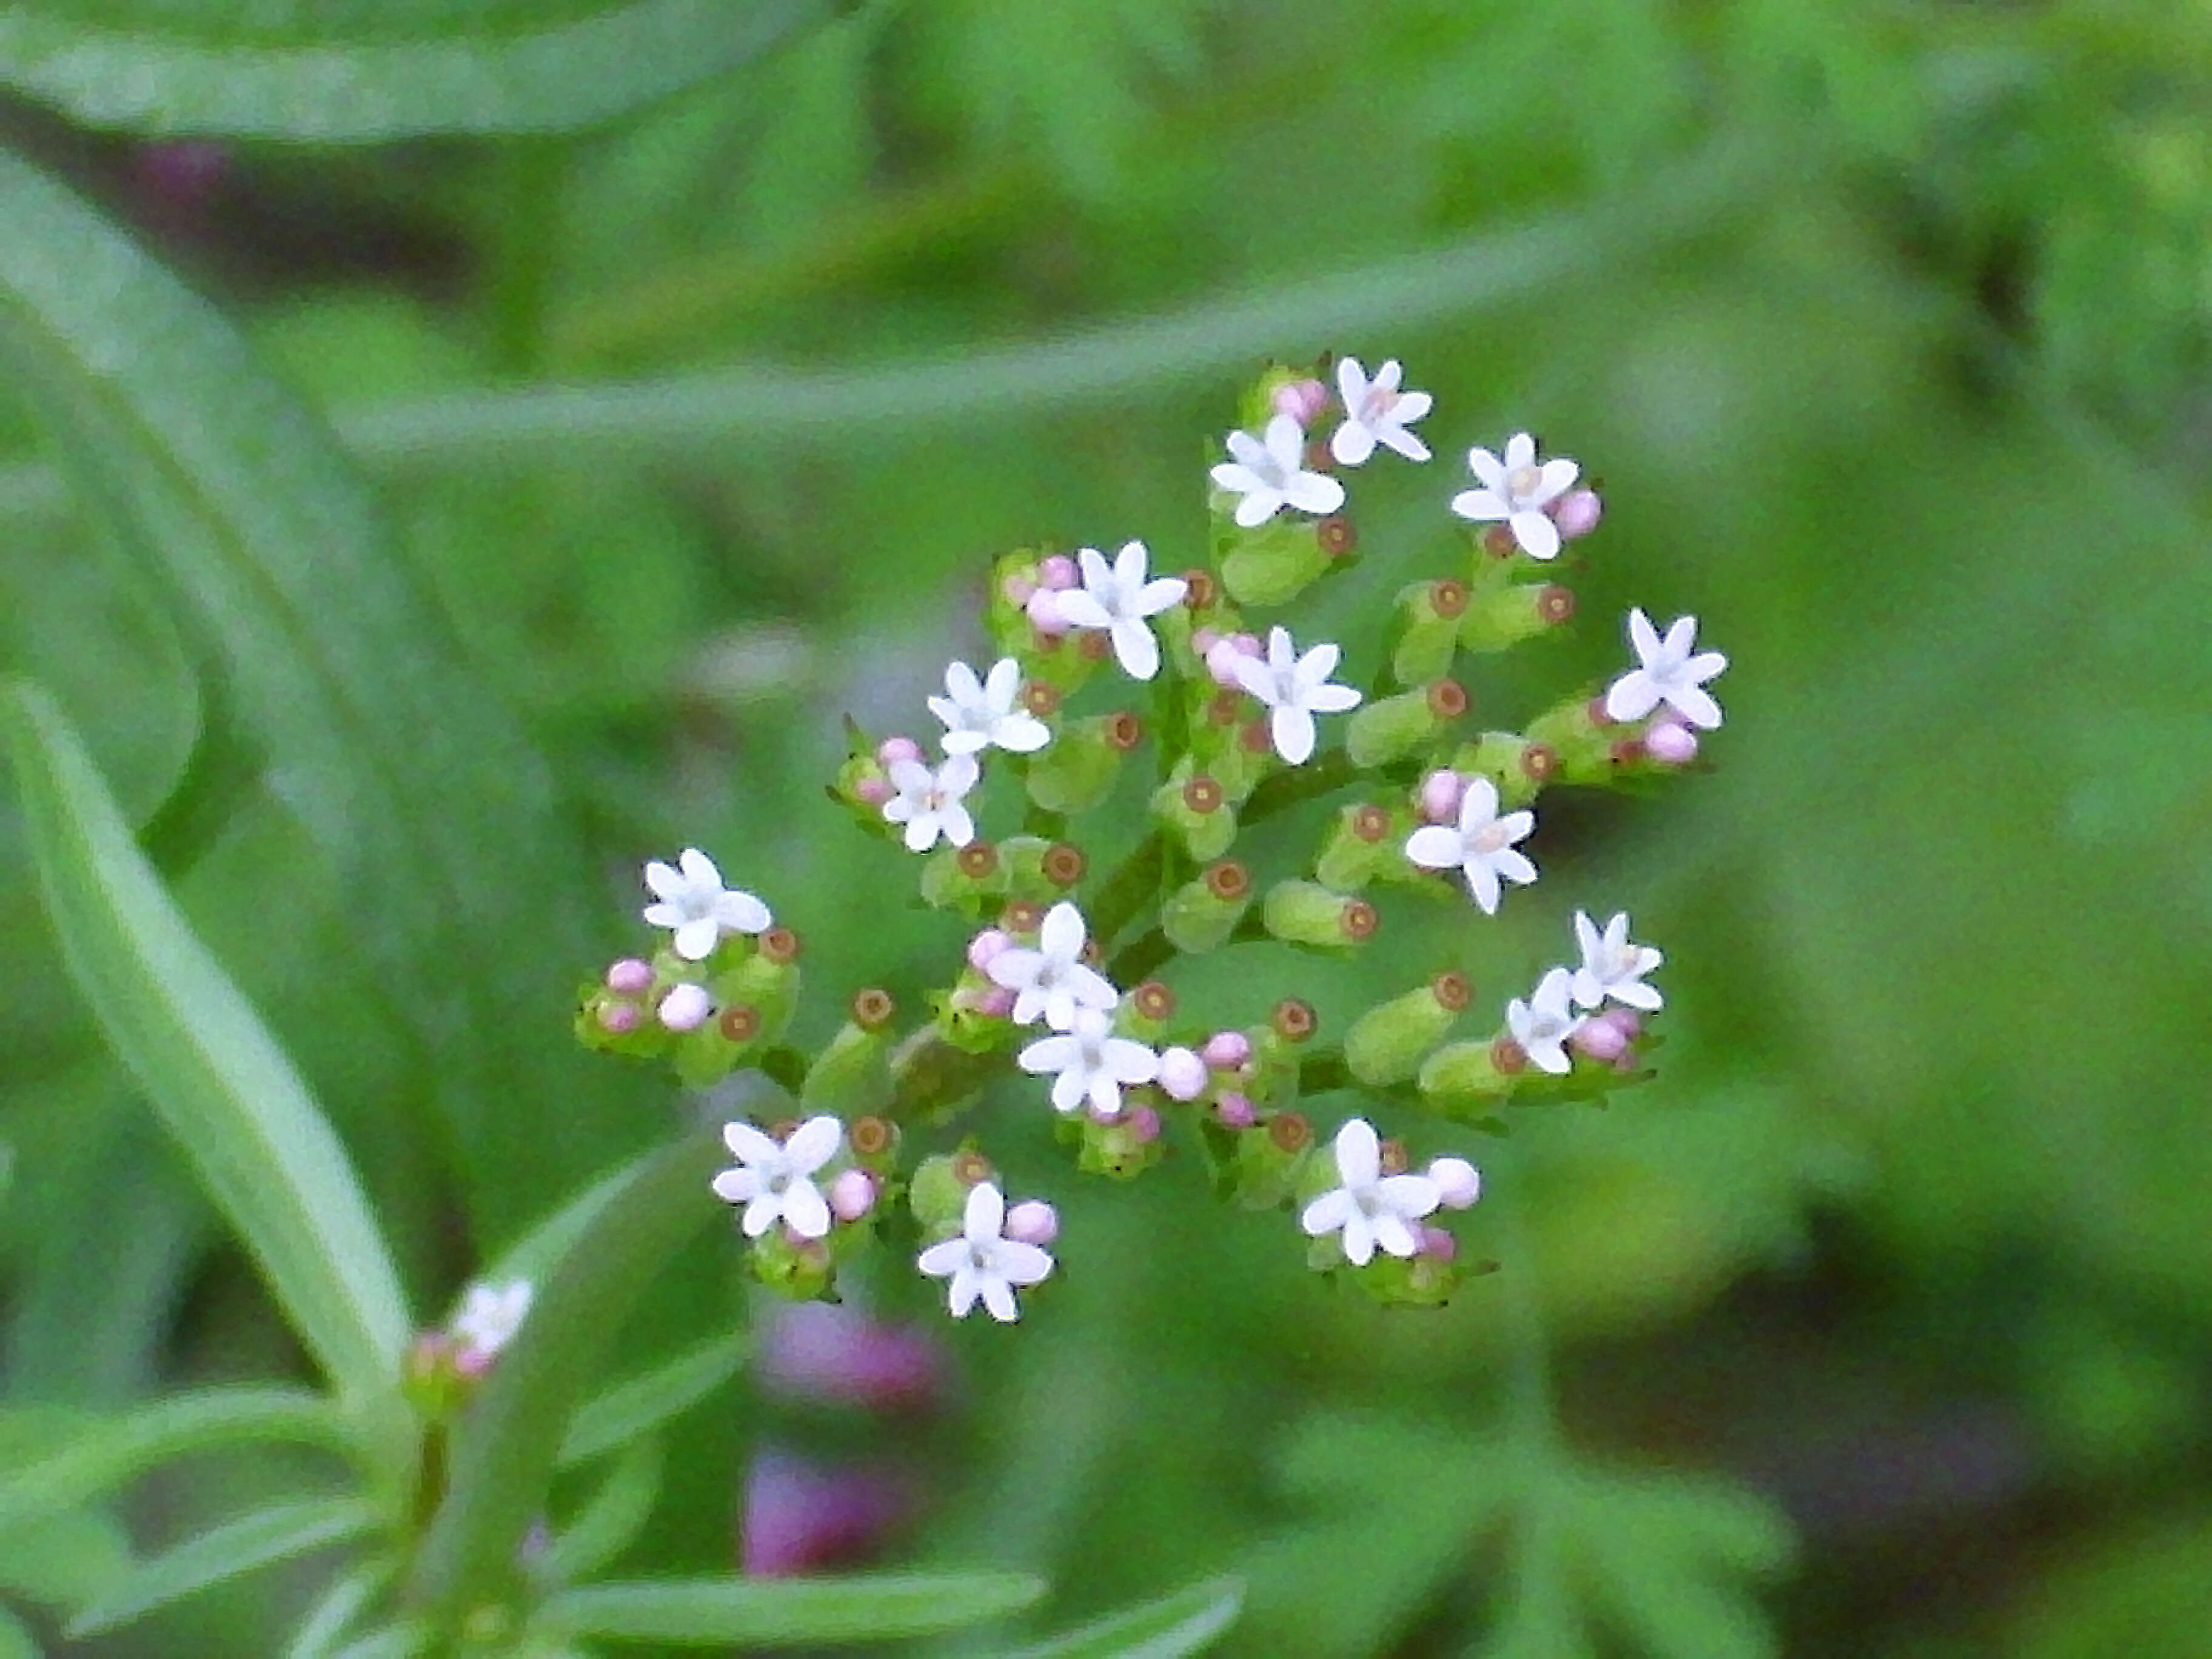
(354, 73)
(504, 1463)
(103, 1456)
(262, 1151)
(252, 1541)
(15, 1642)
(644, 1403)
(613, 1520)
(790, 1613)
(1183, 1623)
(334, 1611)
(431, 820)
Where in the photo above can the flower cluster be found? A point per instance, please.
(1101, 669)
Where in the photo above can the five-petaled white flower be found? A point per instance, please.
(1053, 981)
(775, 1182)
(1117, 598)
(1480, 846)
(1370, 1208)
(1665, 674)
(982, 1261)
(1542, 1025)
(930, 802)
(988, 713)
(1614, 966)
(490, 1317)
(1295, 689)
(1376, 412)
(1515, 491)
(694, 903)
(1091, 1064)
(1270, 473)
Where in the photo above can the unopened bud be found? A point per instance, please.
(1577, 514)
(1043, 610)
(1236, 1111)
(1183, 1076)
(1428, 635)
(1441, 793)
(1670, 743)
(1058, 571)
(1458, 1181)
(1033, 1221)
(851, 1195)
(891, 750)
(618, 1018)
(1302, 400)
(1225, 1051)
(685, 1008)
(629, 976)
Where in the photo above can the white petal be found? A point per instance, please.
(1392, 1233)
(961, 682)
(1520, 450)
(1405, 443)
(986, 1215)
(1129, 1060)
(1490, 469)
(698, 869)
(942, 1257)
(1433, 846)
(1136, 650)
(761, 1215)
(1098, 574)
(1328, 1212)
(1256, 508)
(1642, 635)
(1078, 608)
(1061, 936)
(1514, 867)
(1161, 593)
(696, 940)
(1254, 677)
(1129, 567)
(1000, 1301)
(662, 881)
(1051, 1053)
(1681, 636)
(1696, 706)
(1411, 1195)
(1359, 1239)
(1313, 492)
(1292, 729)
(1557, 477)
(1352, 382)
(813, 1144)
(1483, 506)
(957, 823)
(743, 913)
(1332, 699)
(1538, 536)
(1004, 684)
(1024, 1263)
(965, 1287)
(805, 1210)
(1016, 968)
(1358, 1153)
(737, 1185)
(1482, 885)
(1631, 696)
(1352, 444)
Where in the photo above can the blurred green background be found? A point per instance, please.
(1885, 330)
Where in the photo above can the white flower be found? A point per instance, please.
(1370, 1207)
(982, 1261)
(1376, 412)
(1612, 966)
(1052, 982)
(1271, 474)
(929, 802)
(1296, 689)
(694, 903)
(1480, 846)
(1119, 598)
(1517, 490)
(1665, 674)
(1092, 1063)
(1542, 1025)
(490, 1317)
(982, 713)
(776, 1182)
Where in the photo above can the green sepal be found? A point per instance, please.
(1504, 617)
(1349, 859)
(1306, 913)
(1385, 1045)
(1204, 835)
(1196, 919)
(1428, 638)
(1111, 1149)
(1264, 1176)
(946, 886)
(1393, 727)
(937, 1198)
(852, 1076)
(1464, 1073)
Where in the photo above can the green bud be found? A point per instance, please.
(969, 879)
(803, 1271)
(1461, 1075)
(1038, 871)
(1428, 639)
(1583, 742)
(1391, 728)
(1273, 563)
(851, 1078)
(1518, 766)
(753, 1003)
(1270, 1159)
(1508, 615)
(938, 1194)
(1195, 808)
(1418, 1281)
(1076, 772)
(1386, 1043)
(1201, 914)
(1362, 845)
(1306, 913)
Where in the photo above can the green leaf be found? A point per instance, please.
(366, 71)
(335, 1610)
(219, 1082)
(504, 1463)
(613, 1520)
(15, 1642)
(408, 778)
(252, 1541)
(64, 1560)
(789, 1612)
(104, 1455)
(1185, 1622)
(644, 1403)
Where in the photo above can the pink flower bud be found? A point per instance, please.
(1017, 585)
(1600, 1038)
(1459, 1180)
(470, 1361)
(1438, 1245)
(1221, 663)
(1234, 1112)
(618, 1018)
(1225, 1051)
(851, 1195)
(1577, 514)
(1033, 1221)
(1043, 612)
(1144, 1125)
(1440, 796)
(1183, 1075)
(998, 1002)
(629, 976)
(1203, 640)
(1302, 400)
(1671, 743)
(898, 749)
(1058, 571)
(685, 1007)
(873, 790)
(984, 946)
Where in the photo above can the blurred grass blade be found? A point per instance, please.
(610, 1521)
(103, 1456)
(644, 1403)
(788, 1613)
(252, 1541)
(262, 1151)
(438, 826)
(354, 75)
(1186, 1622)
(15, 1642)
(335, 1610)
(402, 1641)
(502, 1465)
